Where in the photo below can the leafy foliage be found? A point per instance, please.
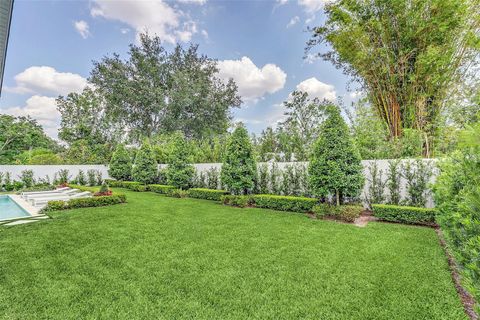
(407, 54)
(284, 203)
(239, 168)
(417, 175)
(180, 171)
(121, 164)
(457, 196)
(404, 214)
(145, 167)
(208, 194)
(335, 168)
(19, 134)
(176, 90)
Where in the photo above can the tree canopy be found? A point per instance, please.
(408, 55)
(155, 91)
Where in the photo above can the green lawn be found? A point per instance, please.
(167, 258)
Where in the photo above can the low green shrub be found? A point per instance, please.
(347, 213)
(160, 188)
(138, 187)
(130, 184)
(404, 214)
(237, 201)
(177, 193)
(208, 194)
(285, 203)
(114, 183)
(85, 202)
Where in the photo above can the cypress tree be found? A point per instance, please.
(239, 167)
(145, 168)
(335, 167)
(180, 171)
(121, 164)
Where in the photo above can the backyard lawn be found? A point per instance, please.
(167, 258)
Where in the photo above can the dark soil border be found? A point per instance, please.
(468, 301)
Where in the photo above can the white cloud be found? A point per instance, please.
(156, 16)
(293, 21)
(199, 2)
(82, 28)
(43, 79)
(253, 82)
(205, 34)
(124, 30)
(281, 2)
(41, 108)
(356, 94)
(312, 6)
(317, 89)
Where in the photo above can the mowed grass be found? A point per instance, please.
(166, 258)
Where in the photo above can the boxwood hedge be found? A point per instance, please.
(404, 214)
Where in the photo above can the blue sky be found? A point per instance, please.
(258, 43)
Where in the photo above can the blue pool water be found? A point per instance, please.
(9, 209)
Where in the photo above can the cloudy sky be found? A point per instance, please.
(258, 43)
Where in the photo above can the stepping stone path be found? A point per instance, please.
(364, 219)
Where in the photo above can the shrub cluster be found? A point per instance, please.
(284, 203)
(237, 200)
(85, 202)
(208, 194)
(403, 214)
(347, 213)
(160, 188)
(177, 193)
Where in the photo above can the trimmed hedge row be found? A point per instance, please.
(346, 213)
(284, 203)
(160, 188)
(412, 215)
(85, 202)
(208, 194)
(236, 201)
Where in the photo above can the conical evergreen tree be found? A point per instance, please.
(180, 171)
(145, 168)
(335, 167)
(239, 166)
(121, 164)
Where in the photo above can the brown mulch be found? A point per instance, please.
(467, 299)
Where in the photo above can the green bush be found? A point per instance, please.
(239, 169)
(335, 168)
(285, 203)
(404, 214)
(145, 169)
(85, 202)
(138, 187)
(237, 201)
(347, 213)
(160, 188)
(177, 193)
(120, 166)
(457, 197)
(130, 184)
(114, 183)
(208, 194)
(179, 171)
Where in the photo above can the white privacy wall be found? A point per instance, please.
(42, 171)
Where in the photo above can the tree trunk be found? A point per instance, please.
(338, 197)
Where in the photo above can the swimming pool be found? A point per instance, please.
(9, 209)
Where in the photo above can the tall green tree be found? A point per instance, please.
(180, 171)
(121, 164)
(303, 116)
(155, 91)
(406, 54)
(335, 168)
(239, 169)
(145, 167)
(19, 134)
